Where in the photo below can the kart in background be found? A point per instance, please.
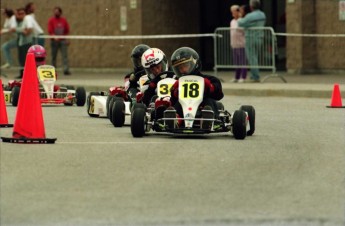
(116, 104)
(50, 93)
(102, 104)
(191, 89)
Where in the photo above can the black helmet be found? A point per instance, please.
(136, 54)
(188, 58)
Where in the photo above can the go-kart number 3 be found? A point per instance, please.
(190, 90)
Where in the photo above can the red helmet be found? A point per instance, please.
(39, 53)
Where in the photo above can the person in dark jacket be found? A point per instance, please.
(138, 70)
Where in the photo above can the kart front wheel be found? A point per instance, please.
(80, 95)
(118, 113)
(138, 122)
(239, 124)
(251, 115)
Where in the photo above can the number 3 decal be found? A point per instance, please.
(47, 74)
(164, 89)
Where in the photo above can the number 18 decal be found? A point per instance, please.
(190, 90)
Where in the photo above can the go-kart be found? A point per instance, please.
(50, 93)
(114, 104)
(191, 90)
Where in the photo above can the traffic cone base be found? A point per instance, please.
(336, 98)
(28, 140)
(6, 125)
(29, 124)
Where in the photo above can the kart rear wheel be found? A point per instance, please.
(15, 95)
(251, 115)
(80, 95)
(239, 124)
(89, 105)
(118, 113)
(138, 121)
(109, 98)
(111, 104)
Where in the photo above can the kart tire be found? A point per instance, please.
(88, 103)
(220, 106)
(251, 114)
(138, 105)
(80, 95)
(107, 104)
(239, 124)
(138, 122)
(15, 95)
(118, 113)
(111, 104)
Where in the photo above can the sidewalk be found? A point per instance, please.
(317, 86)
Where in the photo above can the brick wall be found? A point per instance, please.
(307, 54)
(102, 17)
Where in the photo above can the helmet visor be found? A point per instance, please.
(40, 60)
(136, 62)
(184, 67)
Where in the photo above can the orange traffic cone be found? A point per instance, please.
(336, 98)
(29, 125)
(3, 112)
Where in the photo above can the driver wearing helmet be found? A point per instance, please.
(154, 62)
(186, 61)
(39, 53)
(138, 70)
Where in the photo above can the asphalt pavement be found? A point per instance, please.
(309, 85)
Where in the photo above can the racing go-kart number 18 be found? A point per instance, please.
(191, 93)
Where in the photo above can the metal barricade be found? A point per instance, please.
(263, 39)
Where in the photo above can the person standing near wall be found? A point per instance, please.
(37, 30)
(254, 38)
(58, 25)
(9, 27)
(237, 42)
(25, 37)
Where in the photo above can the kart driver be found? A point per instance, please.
(154, 62)
(186, 61)
(137, 72)
(39, 53)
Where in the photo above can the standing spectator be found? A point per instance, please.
(244, 10)
(10, 25)
(254, 38)
(237, 42)
(25, 37)
(37, 30)
(58, 25)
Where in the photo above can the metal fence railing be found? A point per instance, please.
(262, 39)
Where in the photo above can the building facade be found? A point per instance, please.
(149, 17)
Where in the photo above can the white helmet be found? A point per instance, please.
(151, 58)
